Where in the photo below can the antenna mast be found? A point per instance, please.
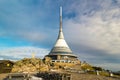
(60, 18)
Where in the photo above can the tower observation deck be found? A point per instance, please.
(61, 51)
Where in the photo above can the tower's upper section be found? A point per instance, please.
(60, 36)
(60, 46)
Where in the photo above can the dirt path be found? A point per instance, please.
(2, 76)
(77, 76)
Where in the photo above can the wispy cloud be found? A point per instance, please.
(27, 20)
(94, 31)
(17, 53)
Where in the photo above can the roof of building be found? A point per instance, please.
(3, 61)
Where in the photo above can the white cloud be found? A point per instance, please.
(101, 30)
(94, 32)
(17, 53)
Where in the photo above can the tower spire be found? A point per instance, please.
(61, 46)
(60, 18)
(60, 36)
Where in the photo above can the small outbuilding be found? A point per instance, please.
(6, 66)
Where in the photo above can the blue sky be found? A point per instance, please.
(91, 29)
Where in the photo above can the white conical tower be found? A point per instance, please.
(60, 46)
(61, 51)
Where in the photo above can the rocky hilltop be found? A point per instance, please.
(28, 65)
(83, 71)
(36, 64)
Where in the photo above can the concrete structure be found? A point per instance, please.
(61, 51)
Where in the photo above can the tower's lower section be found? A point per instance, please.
(63, 58)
